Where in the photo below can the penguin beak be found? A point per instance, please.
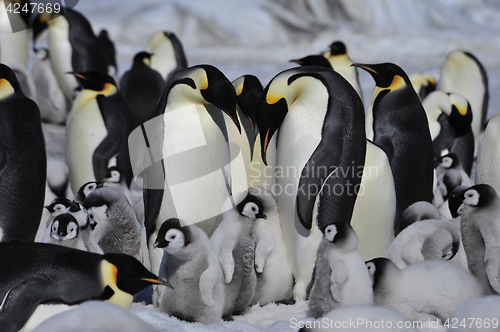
(365, 67)
(161, 244)
(269, 118)
(261, 216)
(296, 61)
(158, 282)
(74, 207)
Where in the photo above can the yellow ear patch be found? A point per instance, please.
(460, 103)
(109, 274)
(147, 61)
(272, 99)
(6, 88)
(238, 86)
(397, 83)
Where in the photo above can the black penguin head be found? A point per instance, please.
(130, 275)
(448, 161)
(248, 91)
(455, 200)
(313, 60)
(251, 207)
(64, 227)
(87, 188)
(379, 269)
(143, 58)
(342, 235)
(451, 180)
(172, 236)
(113, 174)
(337, 48)
(386, 75)
(58, 205)
(460, 116)
(94, 80)
(8, 82)
(480, 195)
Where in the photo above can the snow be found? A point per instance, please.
(259, 37)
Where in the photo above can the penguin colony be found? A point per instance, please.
(429, 234)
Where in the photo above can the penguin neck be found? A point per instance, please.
(182, 95)
(192, 249)
(435, 104)
(6, 89)
(87, 95)
(109, 279)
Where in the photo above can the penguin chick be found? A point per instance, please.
(191, 266)
(115, 179)
(341, 278)
(117, 229)
(452, 161)
(446, 183)
(86, 189)
(484, 309)
(40, 272)
(235, 243)
(274, 278)
(56, 207)
(422, 291)
(480, 226)
(424, 240)
(421, 210)
(86, 226)
(64, 231)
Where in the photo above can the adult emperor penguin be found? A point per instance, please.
(235, 242)
(480, 225)
(192, 267)
(423, 83)
(189, 146)
(248, 90)
(23, 162)
(63, 275)
(463, 74)
(97, 129)
(341, 63)
(488, 158)
(320, 133)
(396, 119)
(422, 291)
(53, 104)
(313, 60)
(73, 47)
(117, 229)
(64, 231)
(142, 87)
(449, 116)
(168, 53)
(341, 278)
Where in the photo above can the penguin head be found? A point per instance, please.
(80, 213)
(143, 58)
(451, 180)
(313, 60)
(106, 205)
(42, 54)
(64, 227)
(386, 75)
(8, 82)
(124, 276)
(381, 271)
(480, 195)
(113, 174)
(341, 235)
(87, 188)
(251, 207)
(58, 205)
(338, 48)
(417, 211)
(96, 81)
(172, 237)
(454, 200)
(460, 114)
(248, 91)
(448, 161)
(208, 86)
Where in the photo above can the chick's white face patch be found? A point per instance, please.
(330, 232)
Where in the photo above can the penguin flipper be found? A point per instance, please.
(412, 253)
(337, 279)
(208, 280)
(492, 266)
(265, 244)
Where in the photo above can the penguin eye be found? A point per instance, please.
(253, 209)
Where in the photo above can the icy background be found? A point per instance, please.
(260, 36)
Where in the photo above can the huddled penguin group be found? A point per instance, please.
(252, 193)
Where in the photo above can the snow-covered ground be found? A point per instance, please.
(259, 37)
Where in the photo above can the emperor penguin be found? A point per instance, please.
(113, 178)
(86, 189)
(446, 183)
(419, 211)
(488, 158)
(40, 272)
(341, 63)
(321, 134)
(397, 122)
(73, 47)
(426, 290)
(449, 116)
(235, 242)
(463, 74)
(142, 87)
(117, 229)
(53, 104)
(425, 240)
(192, 267)
(85, 226)
(274, 274)
(186, 149)
(64, 231)
(341, 278)
(451, 161)
(480, 226)
(484, 309)
(23, 161)
(168, 53)
(313, 60)
(423, 83)
(57, 181)
(108, 52)
(97, 129)
(242, 144)
(14, 36)
(50, 211)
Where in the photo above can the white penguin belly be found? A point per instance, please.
(85, 130)
(163, 58)
(375, 207)
(487, 169)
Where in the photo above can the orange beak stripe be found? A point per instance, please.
(369, 69)
(152, 281)
(266, 141)
(79, 75)
(253, 127)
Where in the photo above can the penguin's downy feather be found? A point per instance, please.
(265, 244)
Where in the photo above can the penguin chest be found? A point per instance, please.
(85, 130)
